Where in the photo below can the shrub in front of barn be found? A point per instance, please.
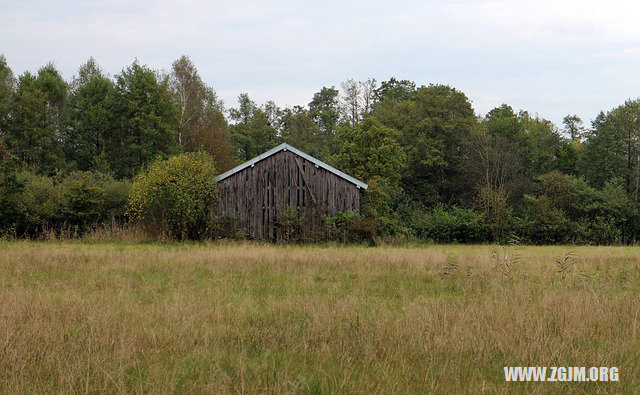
(176, 197)
(350, 227)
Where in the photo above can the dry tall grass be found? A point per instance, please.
(259, 318)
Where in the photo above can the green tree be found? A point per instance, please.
(146, 119)
(324, 111)
(540, 139)
(494, 162)
(10, 191)
(395, 90)
(434, 123)
(573, 127)
(530, 145)
(252, 131)
(298, 129)
(7, 91)
(90, 124)
(176, 196)
(569, 157)
(371, 152)
(9, 186)
(201, 122)
(612, 148)
(496, 175)
(35, 123)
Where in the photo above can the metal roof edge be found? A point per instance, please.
(250, 162)
(285, 146)
(328, 167)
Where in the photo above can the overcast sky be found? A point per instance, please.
(548, 57)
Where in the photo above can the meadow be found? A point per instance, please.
(120, 317)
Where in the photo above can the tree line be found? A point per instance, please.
(437, 170)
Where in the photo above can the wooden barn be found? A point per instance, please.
(257, 193)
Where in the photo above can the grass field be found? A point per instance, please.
(262, 318)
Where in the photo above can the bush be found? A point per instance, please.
(116, 193)
(10, 190)
(289, 225)
(82, 202)
(37, 205)
(113, 203)
(568, 210)
(550, 223)
(599, 231)
(456, 225)
(350, 227)
(176, 197)
(73, 203)
(498, 213)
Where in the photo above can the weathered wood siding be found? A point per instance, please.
(256, 196)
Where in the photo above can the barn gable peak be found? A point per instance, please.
(287, 147)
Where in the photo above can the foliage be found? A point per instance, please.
(7, 88)
(176, 196)
(116, 193)
(551, 224)
(525, 147)
(612, 148)
(569, 157)
(201, 124)
(252, 133)
(89, 121)
(145, 116)
(76, 202)
(290, 224)
(433, 122)
(395, 90)
(436, 169)
(298, 129)
(498, 213)
(38, 204)
(350, 227)
(10, 191)
(324, 111)
(35, 120)
(89, 198)
(442, 225)
(573, 127)
(81, 202)
(371, 152)
(567, 210)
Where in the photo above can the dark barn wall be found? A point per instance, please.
(256, 196)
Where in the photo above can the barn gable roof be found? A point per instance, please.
(287, 147)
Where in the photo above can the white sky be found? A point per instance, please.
(548, 57)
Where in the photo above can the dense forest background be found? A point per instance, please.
(437, 170)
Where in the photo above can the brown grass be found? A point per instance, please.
(80, 317)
